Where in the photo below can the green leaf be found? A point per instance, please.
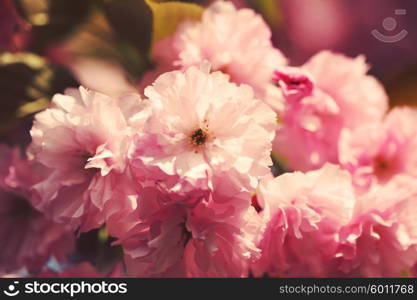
(96, 38)
(270, 9)
(52, 21)
(406, 273)
(27, 82)
(125, 15)
(167, 16)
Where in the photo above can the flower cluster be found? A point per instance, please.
(181, 178)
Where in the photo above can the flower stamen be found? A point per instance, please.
(199, 137)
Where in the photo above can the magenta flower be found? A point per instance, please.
(195, 132)
(316, 101)
(304, 213)
(224, 240)
(234, 41)
(28, 238)
(381, 238)
(83, 139)
(377, 153)
(213, 236)
(317, 226)
(153, 236)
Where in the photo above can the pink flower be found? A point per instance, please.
(83, 139)
(316, 101)
(224, 229)
(318, 226)
(28, 239)
(224, 241)
(235, 41)
(381, 238)
(153, 236)
(195, 131)
(304, 213)
(212, 236)
(379, 152)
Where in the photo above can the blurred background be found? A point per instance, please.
(48, 45)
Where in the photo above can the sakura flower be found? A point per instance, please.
(224, 229)
(83, 138)
(235, 41)
(318, 226)
(304, 213)
(381, 238)
(213, 236)
(28, 239)
(153, 236)
(223, 244)
(201, 125)
(316, 101)
(376, 153)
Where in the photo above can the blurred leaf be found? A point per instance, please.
(13, 82)
(95, 38)
(131, 20)
(102, 235)
(31, 60)
(279, 166)
(167, 15)
(32, 107)
(35, 11)
(406, 273)
(402, 89)
(60, 80)
(27, 83)
(53, 20)
(90, 247)
(270, 9)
